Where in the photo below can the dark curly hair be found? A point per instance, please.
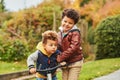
(71, 13)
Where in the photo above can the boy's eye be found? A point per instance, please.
(50, 45)
(65, 21)
(53, 45)
(70, 23)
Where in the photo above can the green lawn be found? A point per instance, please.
(97, 68)
(6, 67)
(89, 70)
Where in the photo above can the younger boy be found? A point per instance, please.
(45, 55)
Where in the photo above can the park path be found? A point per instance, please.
(112, 76)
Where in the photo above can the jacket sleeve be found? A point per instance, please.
(59, 40)
(71, 50)
(32, 59)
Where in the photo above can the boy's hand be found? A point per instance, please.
(32, 70)
(58, 58)
(63, 63)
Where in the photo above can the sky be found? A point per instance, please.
(16, 5)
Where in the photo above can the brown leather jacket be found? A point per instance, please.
(70, 46)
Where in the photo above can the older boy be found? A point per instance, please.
(70, 45)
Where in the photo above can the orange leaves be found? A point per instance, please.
(110, 8)
(100, 9)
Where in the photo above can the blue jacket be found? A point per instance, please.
(44, 62)
(42, 59)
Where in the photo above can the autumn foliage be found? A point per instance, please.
(22, 32)
(96, 10)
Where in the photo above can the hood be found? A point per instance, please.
(41, 48)
(61, 29)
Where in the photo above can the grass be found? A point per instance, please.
(6, 67)
(98, 68)
(93, 69)
(90, 70)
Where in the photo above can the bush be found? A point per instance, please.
(90, 37)
(23, 30)
(107, 38)
(15, 50)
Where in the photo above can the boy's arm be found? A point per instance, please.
(31, 59)
(75, 44)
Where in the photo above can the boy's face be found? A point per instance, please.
(50, 46)
(67, 24)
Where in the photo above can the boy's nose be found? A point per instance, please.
(66, 23)
(54, 47)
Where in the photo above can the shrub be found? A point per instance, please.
(90, 37)
(15, 50)
(107, 38)
(23, 30)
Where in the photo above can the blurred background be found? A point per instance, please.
(23, 21)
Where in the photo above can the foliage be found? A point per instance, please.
(13, 50)
(84, 2)
(107, 38)
(94, 12)
(90, 35)
(74, 4)
(3, 17)
(23, 30)
(2, 6)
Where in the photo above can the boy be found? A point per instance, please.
(70, 45)
(45, 55)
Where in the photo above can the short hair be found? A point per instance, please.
(51, 35)
(71, 13)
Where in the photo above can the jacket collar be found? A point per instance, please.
(41, 48)
(74, 27)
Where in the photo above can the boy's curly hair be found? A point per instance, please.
(71, 13)
(51, 35)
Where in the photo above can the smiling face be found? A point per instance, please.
(67, 24)
(50, 46)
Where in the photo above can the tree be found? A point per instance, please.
(2, 7)
(96, 10)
